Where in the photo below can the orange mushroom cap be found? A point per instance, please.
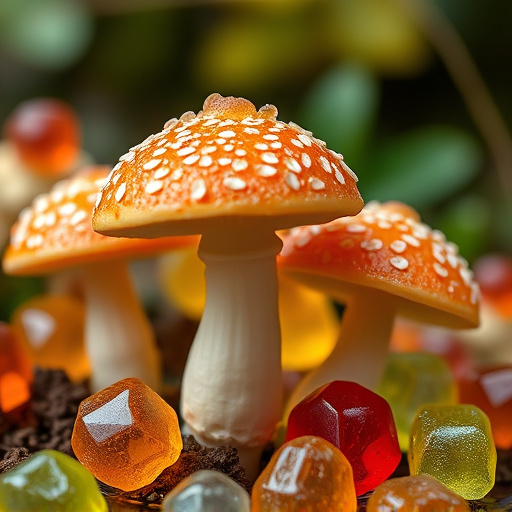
(228, 160)
(386, 247)
(55, 231)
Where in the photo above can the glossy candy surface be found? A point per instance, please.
(46, 134)
(15, 370)
(207, 491)
(50, 481)
(490, 389)
(356, 420)
(126, 435)
(307, 473)
(411, 380)
(52, 328)
(419, 493)
(453, 443)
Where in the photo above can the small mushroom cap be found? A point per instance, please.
(55, 231)
(387, 248)
(228, 161)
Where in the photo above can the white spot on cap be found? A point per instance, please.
(356, 228)
(349, 171)
(67, 209)
(120, 192)
(261, 146)
(252, 131)
(384, 224)
(306, 160)
(270, 136)
(227, 134)
(228, 147)
(198, 189)
(292, 164)
(411, 240)
(265, 170)
(176, 145)
(339, 176)
(153, 187)
(192, 159)
(292, 181)
(325, 164)
(239, 165)
(440, 270)
(297, 143)
(159, 151)
(205, 161)
(211, 122)
(240, 152)
(184, 133)
(234, 183)
(399, 262)
(152, 164)
(127, 157)
(209, 149)
(161, 173)
(374, 244)
(78, 217)
(176, 174)
(34, 241)
(304, 139)
(276, 145)
(185, 151)
(270, 158)
(316, 184)
(224, 161)
(398, 246)
(466, 275)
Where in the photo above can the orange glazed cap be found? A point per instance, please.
(55, 231)
(386, 248)
(229, 160)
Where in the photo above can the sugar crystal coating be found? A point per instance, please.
(357, 421)
(50, 480)
(419, 493)
(207, 491)
(453, 443)
(306, 473)
(126, 435)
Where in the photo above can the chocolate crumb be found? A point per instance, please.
(194, 457)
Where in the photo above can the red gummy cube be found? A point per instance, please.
(356, 420)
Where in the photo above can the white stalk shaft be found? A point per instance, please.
(361, 351)
(232, 386)
(119, 339)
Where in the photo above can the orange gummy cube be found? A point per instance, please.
(126, 435)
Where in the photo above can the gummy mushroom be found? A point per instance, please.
(381, 263)
(55, 233)
(234, 175)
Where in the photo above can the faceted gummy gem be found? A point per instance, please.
(15, 370)
(419, 493)
(307, 473)
(490, 389)
(207, 491)
(52, 329)
(50, 480)
(126, 435)
(411, 380)
(453, 443)
(356, 420)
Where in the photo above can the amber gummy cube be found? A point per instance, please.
(126, 435)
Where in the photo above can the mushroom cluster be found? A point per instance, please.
(235, 175)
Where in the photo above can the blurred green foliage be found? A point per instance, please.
(360, 74)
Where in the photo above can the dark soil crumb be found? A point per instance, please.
(45, 422)
(194, 457)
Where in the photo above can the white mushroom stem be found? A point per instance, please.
(119, 339)
(232, 386)
(361, 351)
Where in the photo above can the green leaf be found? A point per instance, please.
(341, 109)
(421, 168)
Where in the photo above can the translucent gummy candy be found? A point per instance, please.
(305, 474)
(207, 491)
(50, 481)
(126, 435)
(453, 443)
(419, 493)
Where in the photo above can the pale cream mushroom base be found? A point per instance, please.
(234, 175)
(55, 233)
(380, 263)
